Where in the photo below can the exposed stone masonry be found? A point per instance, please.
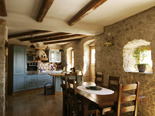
(109, 60)
(2, 67)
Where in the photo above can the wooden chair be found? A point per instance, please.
(72, 76)
(114, 82)
(127, 103)
(99, 78)
(64, 86)
(74, 103)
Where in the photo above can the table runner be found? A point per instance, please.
(103, 91)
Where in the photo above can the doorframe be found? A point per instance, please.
(91, 47)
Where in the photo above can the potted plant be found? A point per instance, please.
(139, 56)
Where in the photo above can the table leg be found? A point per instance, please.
(64, 106)
(84, 108)
(54, 84)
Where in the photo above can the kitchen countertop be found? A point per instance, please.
(36, 72)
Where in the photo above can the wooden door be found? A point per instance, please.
(92, 63)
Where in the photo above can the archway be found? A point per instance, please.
(86, 60)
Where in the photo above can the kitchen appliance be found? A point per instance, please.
(30, 58)
(32, 66)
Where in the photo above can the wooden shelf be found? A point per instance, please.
(32, 54)
(42, 59)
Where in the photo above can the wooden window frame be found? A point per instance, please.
(72, 58)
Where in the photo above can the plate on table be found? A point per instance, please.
(93, 88)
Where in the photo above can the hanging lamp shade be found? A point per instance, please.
(32, 46)
(47, 48)
(61, 50)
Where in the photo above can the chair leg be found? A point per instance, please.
(97, 112)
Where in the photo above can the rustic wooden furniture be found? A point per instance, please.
(98, 100)
(130, 100)
(99, 78)
(74, 102)
(72, 74)
(64, 86)
(54, 78)
(114, 82)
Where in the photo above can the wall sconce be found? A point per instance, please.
(110, 41)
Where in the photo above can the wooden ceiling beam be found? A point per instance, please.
(27, 33)
(45, 36)
(60, 38)
(61, 41)
(87, 9)
(46, 4)
(3, 11)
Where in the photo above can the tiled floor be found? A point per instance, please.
(34, 103)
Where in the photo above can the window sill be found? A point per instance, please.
(141, 72)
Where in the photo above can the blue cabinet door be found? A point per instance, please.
(57, 84)
(19, 83)
(31, 82)
(44, 78)
(19, 60)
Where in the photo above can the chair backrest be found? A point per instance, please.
(99, 78)
(71, 86)
(64, 84)
(114, 82)
(73, 96)
(132, 107)
(71, 75)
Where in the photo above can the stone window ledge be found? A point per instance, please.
(136, 72)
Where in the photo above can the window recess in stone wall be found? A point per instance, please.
(69, 58)
(137, 57)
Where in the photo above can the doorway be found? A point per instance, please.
(92, 63)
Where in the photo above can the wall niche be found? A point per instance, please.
(129, 62)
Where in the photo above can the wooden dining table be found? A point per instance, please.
(96, 100)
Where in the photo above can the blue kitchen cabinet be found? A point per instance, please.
(44, 78)
(31, 82)
(19, 60)
(79, 78)
(57, 84)
(19, 83)
(19, 68)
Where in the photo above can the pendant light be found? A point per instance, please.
(32, 46)
(61, 50)
(47, 48)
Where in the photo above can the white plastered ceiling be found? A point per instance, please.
(22, 15)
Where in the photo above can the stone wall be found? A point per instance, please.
(78, 47)
(2, 66)
(109, 60)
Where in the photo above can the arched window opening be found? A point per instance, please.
(136, 53)
(69, 60)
